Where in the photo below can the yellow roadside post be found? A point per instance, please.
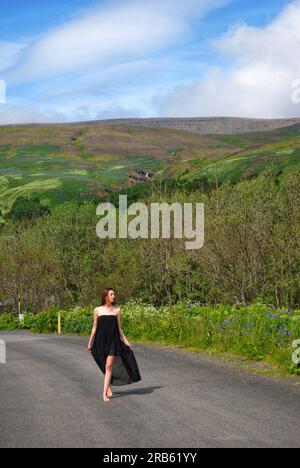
(19, 304)
(19, 307)
(59, 323)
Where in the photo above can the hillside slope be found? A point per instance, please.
(60, 162)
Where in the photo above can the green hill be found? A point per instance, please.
(59, 162)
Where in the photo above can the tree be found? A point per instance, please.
(26, 208)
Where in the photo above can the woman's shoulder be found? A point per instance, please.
(97, 310)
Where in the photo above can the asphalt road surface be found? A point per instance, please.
(51, 396)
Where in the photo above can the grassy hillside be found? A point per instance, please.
(60, 162)
(250, 155)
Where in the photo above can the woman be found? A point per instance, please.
(110, 348)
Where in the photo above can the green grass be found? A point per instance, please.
(234, 140)
(9, 195)
(248, 164)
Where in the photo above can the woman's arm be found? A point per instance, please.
(122, 336)
(94, 329)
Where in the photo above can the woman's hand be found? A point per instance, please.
(128, 344)
(89, 348)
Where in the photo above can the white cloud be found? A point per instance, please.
(103, 80)
(265, 62)
(9, 54)
(117, 30)
(28, 114)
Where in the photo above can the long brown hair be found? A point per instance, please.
(105, 294)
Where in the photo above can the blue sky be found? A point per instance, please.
(83, 60)
(27, 18)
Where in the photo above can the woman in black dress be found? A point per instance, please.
(110, 348)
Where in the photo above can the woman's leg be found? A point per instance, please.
(109, 392)
(107, 377)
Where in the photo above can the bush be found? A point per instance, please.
(9, 322)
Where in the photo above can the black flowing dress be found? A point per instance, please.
(107, 342)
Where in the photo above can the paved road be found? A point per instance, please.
(51, 396)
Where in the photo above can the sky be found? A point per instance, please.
(81, 60)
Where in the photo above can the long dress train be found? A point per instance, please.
(107, 342)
